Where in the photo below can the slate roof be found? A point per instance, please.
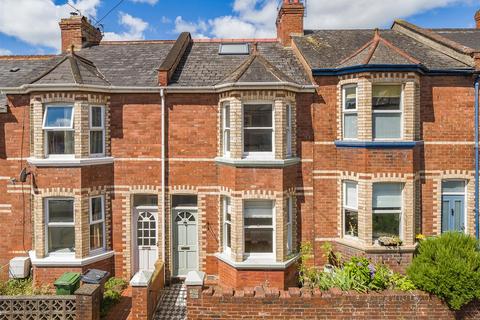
(329, 49)
(203, 66)
(27, 69)
(466, 37)
(73, 69)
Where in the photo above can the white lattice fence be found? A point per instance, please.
(38, 308)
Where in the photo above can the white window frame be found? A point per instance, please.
(400, 111)
(265, 255)
(225, 209)
(49, 224)
(349, 208)
(225, 107)
(93, 222)
(401, 211)
(269, 155)
(289, 224)
(47, 129)
(97, 129)
(349, 111)
(288, 130)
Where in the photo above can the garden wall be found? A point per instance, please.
(218, 303)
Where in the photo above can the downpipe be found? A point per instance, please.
(162, 96)
(477, 218)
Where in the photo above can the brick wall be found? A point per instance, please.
(270, 303)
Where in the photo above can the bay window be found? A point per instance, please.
(59, 131)
(97, 130)
(350, 209)
(97, 223)
(387, 112)
(350, 112)
(259, 227)
(227, 224)
(387, 209)
(60, 225)
(258, 130)
(226, 130)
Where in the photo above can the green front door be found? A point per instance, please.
(185, 241)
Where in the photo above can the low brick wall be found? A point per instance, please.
(145, 298)
(259, 303)
(84, 305)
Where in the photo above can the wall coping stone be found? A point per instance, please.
(142, 278)
(195, 278)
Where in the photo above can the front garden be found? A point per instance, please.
(447, 266)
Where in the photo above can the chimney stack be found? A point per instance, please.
(290, 21)
(477, 19)
(78, 32)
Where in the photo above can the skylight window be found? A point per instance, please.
(234, 48)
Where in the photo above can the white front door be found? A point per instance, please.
(185, 241)
(146, 238)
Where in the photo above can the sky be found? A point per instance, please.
(31, 26)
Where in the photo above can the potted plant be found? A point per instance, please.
(390, 241)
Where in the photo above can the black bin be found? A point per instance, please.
(95, 276)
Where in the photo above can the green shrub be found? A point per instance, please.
(112, 294)
(22, 287)
(449, 267)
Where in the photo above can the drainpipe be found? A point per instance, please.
(477, 218)
(162, 96)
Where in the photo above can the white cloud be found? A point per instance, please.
(256, 18)
(5, 52)
(152, 2)
(36, 21)
(135, 29)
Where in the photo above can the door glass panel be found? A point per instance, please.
(458, 215)
(445, 215)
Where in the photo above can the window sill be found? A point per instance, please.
(257, 263)
(65, 162)
(249, 163)
(377, 144)
(67, 260)
(372, 248)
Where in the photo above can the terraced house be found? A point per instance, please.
(223, 156)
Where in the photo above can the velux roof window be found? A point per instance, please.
(234, 48)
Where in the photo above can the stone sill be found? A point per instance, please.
(376, 248)
(260, 163)
(65, 162)
(257, 263)
(67, 260)
(377, 144)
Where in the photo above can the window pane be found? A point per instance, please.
(350, 98)
(59, 117)
(227, 140)
(228, 235)
(351, 223)
(258, 140)
(97, 117)
(228, 209)
(96, 142)
(61, 239)
(259, 240)
(97, 210)
(258, 208)
(387, 97)
(351, 194)
(258, 221)
(386, 225)
(387, 125)
(227, 116)
(60, 211)
(350, 130)
(60, 142)
(257, 116)
(453, 186)
(387, 195)
(96, 236)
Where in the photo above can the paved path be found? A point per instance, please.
(173, 305)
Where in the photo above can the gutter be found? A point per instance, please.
(387, 67)
(477, 164)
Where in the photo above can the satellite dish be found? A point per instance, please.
(23, 175)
